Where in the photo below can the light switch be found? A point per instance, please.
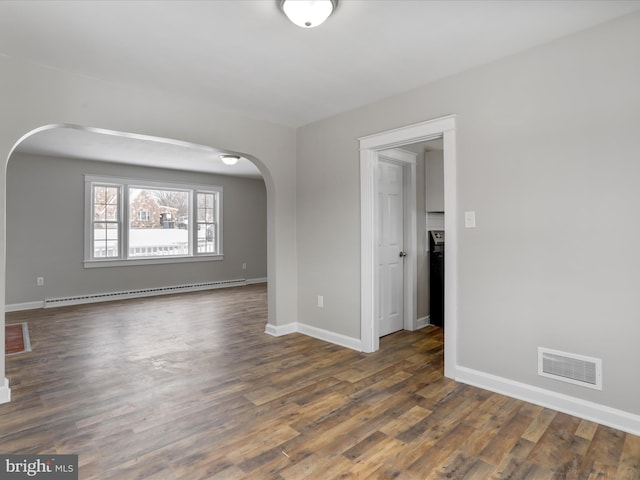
(469, 219)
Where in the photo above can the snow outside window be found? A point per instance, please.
(141, 223)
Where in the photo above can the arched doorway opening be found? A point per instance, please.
(100, 145)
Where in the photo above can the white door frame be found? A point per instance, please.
(409, 212)
(370, 145)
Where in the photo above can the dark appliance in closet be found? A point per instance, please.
(436, 277)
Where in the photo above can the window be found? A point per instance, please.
(153, 229)
(134, 222)
(207, 234)
(106, 220)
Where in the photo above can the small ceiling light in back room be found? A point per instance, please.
(308, 13)
(229, 159)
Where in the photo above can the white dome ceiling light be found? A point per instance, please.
(229, 159)
(308, 13)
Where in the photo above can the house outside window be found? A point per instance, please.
(133, 222)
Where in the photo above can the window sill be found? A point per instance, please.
(151, 261)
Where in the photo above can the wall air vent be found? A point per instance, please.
(570, 367)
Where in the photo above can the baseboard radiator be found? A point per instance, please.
(143, 292)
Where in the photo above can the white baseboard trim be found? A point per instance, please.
(252, 281)
(315, 332)
(422, 322)
(280, 330)
(5, 392)
(594, 412)
(331, 337)
(17, 307)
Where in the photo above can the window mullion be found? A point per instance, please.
(218, 220)
(123, 221)
(192, 225)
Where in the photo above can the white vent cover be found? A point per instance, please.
(570, 367)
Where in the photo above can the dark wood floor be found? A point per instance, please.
(189, 387)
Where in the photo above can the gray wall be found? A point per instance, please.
(45, 231)
(434, 162)
(548, 157)
(422, 260)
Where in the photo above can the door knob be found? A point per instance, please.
(403, 253)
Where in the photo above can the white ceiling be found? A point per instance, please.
(245, 56)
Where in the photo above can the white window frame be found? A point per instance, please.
(124, 184)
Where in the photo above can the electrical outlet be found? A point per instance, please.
(244, 266)
(39, 281)
(320, 301)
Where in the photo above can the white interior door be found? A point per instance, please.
(390, 241)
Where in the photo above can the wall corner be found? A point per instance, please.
(5, 392)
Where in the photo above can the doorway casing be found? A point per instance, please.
(370, 146)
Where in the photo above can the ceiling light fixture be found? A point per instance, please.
(308, 13)
(229, 159)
